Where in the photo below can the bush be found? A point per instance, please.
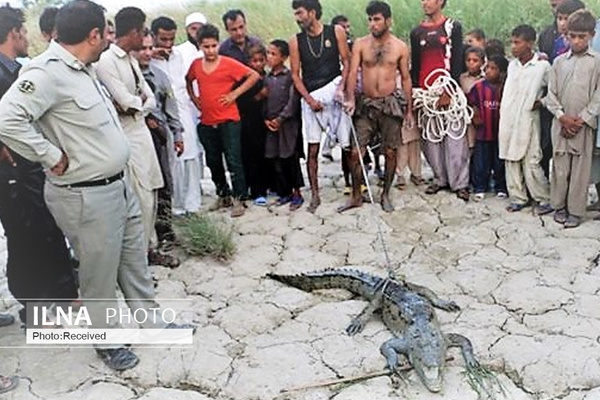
(205, 235)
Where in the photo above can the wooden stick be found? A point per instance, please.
(370, 375)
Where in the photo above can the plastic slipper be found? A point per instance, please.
(261, 201)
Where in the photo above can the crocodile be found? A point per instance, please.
(408, 312)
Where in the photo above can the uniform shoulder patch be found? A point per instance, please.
(26, 86)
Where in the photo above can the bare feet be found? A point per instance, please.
(386, 204)
(315, 202)
(351, 203)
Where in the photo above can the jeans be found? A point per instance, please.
(219, 140)
(486, 160)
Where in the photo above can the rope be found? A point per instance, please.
(437, 123)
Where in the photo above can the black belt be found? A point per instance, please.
(99, 182)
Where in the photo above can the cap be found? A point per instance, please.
(195, 17)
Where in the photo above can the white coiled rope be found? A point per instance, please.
(451, 121)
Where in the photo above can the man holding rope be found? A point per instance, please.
(437, 45)
(380, 56)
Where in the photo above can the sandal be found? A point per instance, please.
(261, 201)
(118, 359)
(6, 320)
(515, 207)
(283, 200)
(8, 383)
(417, 180)
(296, 202)
(434, 188)
(463, 194)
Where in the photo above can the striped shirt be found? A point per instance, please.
(485, 100)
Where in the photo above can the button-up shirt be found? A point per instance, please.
(230, 49)
(63, 97)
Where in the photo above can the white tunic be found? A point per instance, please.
(176, 69)
(524, 85)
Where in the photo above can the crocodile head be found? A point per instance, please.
(427, 352)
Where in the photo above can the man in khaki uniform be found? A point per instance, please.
(121, 74)
(85, 152)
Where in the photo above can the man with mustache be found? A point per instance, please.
(380, 56)
(315, 57)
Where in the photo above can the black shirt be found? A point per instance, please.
(9, 72)
(319, 58)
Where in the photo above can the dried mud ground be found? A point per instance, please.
(529, 292)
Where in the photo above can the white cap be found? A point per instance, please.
(195, 17)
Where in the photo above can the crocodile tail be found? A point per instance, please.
(359, 283)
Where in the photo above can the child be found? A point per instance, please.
(219, 131)
(494, 47)
(574, 99)
(254, 131)
(519, 131)
(475, 38)
(485, 98)
(561, 43)
(282, 120)
(474, 61)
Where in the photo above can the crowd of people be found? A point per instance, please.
(104, 135)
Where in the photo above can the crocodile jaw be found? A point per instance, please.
(431, 378)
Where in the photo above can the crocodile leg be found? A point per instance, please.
(390, 350)
(358, 323)
(446, 305)
(481, 379)
(456, 340)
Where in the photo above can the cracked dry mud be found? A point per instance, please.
(528, 291)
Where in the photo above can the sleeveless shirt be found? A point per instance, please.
(319, 58)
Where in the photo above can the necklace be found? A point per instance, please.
(322, 36)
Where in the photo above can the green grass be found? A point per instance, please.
(205, 235)
(273, 19)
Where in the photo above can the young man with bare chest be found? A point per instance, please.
(380, 56)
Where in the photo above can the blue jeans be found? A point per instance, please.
(485, 162)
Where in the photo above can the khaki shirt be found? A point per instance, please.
(61, 96)
(574, 90)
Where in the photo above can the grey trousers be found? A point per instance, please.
(104, 225)
(449, 161)
(571, 177)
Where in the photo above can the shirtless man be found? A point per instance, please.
(380, 56)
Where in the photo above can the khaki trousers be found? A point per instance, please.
(104, 225)
(409, 155)
(527, 175)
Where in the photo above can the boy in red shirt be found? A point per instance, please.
(220, 129)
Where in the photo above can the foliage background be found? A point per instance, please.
(270, 19)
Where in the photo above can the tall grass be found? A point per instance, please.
(270, 19)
